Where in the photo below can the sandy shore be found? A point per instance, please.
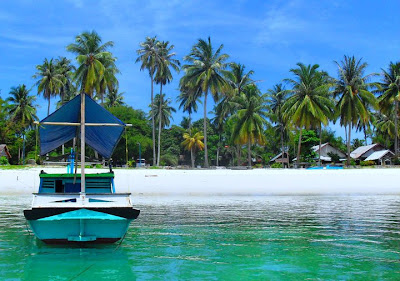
(226, 182)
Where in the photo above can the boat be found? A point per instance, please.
(78, 207)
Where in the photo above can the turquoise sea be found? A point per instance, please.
(221, 238)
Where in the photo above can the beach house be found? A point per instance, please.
(4, 151)
(327, 151)
(363, 152)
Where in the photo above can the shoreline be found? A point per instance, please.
(225, 182)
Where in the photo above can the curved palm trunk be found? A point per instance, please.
(282, 146)
(396, 129)
(348, 147)
(299, 148)
(206, 165)
(152, 121)
(192, 157)
(159, 127)
(249, 152)
(320, 142)
(239, 154)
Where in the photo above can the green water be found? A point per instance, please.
(221, 238)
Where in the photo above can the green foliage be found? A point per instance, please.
(308, 140)
(98, 166)
(140, 132)
(4, 161)
(334, 157)
(353, 162)
(367, 163)
(277, 166)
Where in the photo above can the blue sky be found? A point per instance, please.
(269, 37)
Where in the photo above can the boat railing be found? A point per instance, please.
(73, 200)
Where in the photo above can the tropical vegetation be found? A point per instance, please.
(247, 125)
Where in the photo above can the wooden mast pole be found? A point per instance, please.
(83, 187)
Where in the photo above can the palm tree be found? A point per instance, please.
(192, 141)
(385, 125)
(66, 69)
(206, 69)
(390, 89)
(50, 80)
(164, 76)
(22, 111)
(250, 118)
(276, 99)
(188, 98)
(148, 57)
(114, 99)
(109, 81)
(309, 104)
(352, 89)
(162, 113)
(92, 57)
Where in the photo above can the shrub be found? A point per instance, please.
(99, 166)
(367, 163)
(4, 161)
(396, 161)
(259, 165)
(353, 162)
(335, 158)
(277, 165)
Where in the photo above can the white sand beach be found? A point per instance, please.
(150, 182)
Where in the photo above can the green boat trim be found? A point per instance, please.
(98, 175)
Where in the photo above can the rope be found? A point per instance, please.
(90, 266)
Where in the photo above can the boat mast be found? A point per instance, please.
(83, 187)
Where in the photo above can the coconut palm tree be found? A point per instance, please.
(114, 98)
(163, 76)
(351, 88)
(109, 81)
(162, 113)
(276, 99)
(92, 58)
(390, 94)
(309, 104)
(250, 118)
(66, 69)
(22, 111)
(50, 80)
(148, 57)
(188, 98)
(385, 125)
(192, 141)
(206, 69)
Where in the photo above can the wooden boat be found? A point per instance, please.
(80, 208)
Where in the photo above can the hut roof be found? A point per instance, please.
(4, 151)
(379, 154)
(358, 152)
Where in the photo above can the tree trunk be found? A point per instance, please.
(23, 149)
(348, 147)
(239, 154)
(396, 121)
(299, 148)
(153, 122)
(19, 154)
(206, 164)
(48, 107)
(159, 127)
(249, 153)
(192, 157)
(218, 155)
(320, 142)
(282, 146)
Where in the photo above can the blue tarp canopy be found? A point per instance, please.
(103, 139)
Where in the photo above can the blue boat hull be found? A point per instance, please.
(80, 226)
